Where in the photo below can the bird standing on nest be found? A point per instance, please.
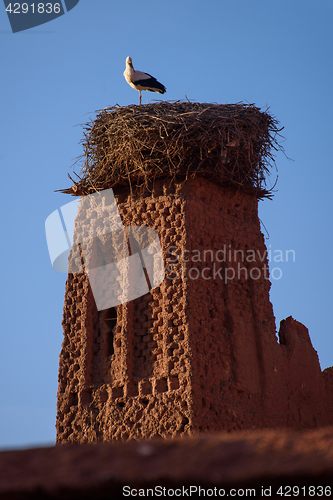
(141, 81)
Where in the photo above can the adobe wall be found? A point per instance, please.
(268, 461)
(199, 352)
(241, 376)
(142, 389)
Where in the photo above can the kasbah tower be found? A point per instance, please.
(198, 353)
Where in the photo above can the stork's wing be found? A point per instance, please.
(140, 75)
(148, 82)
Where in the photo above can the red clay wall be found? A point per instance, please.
(199, 352)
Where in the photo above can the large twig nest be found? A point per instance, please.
(231, 144)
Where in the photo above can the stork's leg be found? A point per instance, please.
(140, 95)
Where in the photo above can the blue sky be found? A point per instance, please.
(54, 77)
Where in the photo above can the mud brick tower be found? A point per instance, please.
(199, 352)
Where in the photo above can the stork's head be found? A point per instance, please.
(129, 61)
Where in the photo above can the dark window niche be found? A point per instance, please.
(73, 399)
(86, 397)
(110, 322)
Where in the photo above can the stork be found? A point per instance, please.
(141, 81)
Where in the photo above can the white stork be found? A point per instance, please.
(141, 81)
